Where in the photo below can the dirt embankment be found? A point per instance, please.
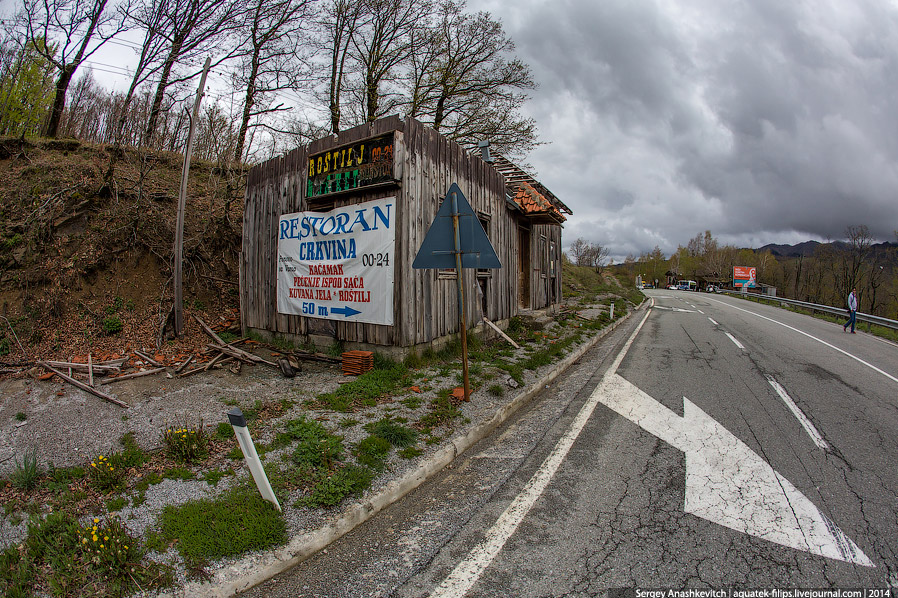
(85, 259)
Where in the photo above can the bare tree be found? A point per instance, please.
(336, 31)
(191, 28)
(465, 85)
(580, 252)
(598, 257)
(851, 258)
(79, 28)
(270, 63)
(386, 41)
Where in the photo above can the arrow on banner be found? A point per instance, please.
(729, 484)
(346, 311)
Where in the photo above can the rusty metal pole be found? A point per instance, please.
(461, 297)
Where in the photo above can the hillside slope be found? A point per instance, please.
(86, 265)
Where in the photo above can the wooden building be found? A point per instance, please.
(402, 169)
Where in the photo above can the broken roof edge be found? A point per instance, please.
(514, 176)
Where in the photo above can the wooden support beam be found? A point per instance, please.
(499, 330)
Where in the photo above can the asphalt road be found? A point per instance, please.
(707, 443)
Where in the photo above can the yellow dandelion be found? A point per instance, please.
(106, 538)
(96, 521)
(95, 538)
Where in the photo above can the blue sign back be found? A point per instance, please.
(438, 249)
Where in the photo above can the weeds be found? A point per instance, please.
(187, 444)
(27, 473)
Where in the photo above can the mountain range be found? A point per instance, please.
(808, 248)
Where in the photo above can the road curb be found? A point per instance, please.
(252, 571)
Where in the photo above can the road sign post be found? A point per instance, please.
(460, 284)
(457, 240)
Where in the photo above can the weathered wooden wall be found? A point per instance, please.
(425, 305)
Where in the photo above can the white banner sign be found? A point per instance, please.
(338, 265)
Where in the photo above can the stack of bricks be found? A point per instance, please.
(356, 363)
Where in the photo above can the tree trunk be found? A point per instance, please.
(62, 85)
(247, 106)
(160, 89)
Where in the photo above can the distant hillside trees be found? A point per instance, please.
(826, 276)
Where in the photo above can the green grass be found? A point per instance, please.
(393, 432)
(385, 379)
(237, 522)
(27, 472)
(373, 452)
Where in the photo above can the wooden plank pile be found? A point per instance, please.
(356, 363)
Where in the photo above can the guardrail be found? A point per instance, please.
(814, 307)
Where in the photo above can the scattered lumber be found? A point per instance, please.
(134, 375)
(83, 386)
(98, 367)
(187, 361)
(147, 358)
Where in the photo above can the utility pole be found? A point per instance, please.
(178, 308)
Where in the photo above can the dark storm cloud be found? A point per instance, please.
(760, 120)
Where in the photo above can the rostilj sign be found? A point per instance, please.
(456, 239)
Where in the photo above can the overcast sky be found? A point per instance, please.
(763, 121)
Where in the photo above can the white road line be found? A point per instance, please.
(735, 342)
(798, 413)
(467, 572)
(700, 311)
(810, 336)
(713, 322)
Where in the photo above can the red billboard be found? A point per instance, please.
(745, 276)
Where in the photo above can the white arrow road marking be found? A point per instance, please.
(816, 436)
(726, 482)
(679, 309)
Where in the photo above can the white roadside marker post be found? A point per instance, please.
(238, 422)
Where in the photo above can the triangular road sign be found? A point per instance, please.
(438, 248)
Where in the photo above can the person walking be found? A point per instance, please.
(852, 311)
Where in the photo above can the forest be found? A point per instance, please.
(283, 72)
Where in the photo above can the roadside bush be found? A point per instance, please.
(112, 325)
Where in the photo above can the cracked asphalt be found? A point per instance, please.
(613, 514)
